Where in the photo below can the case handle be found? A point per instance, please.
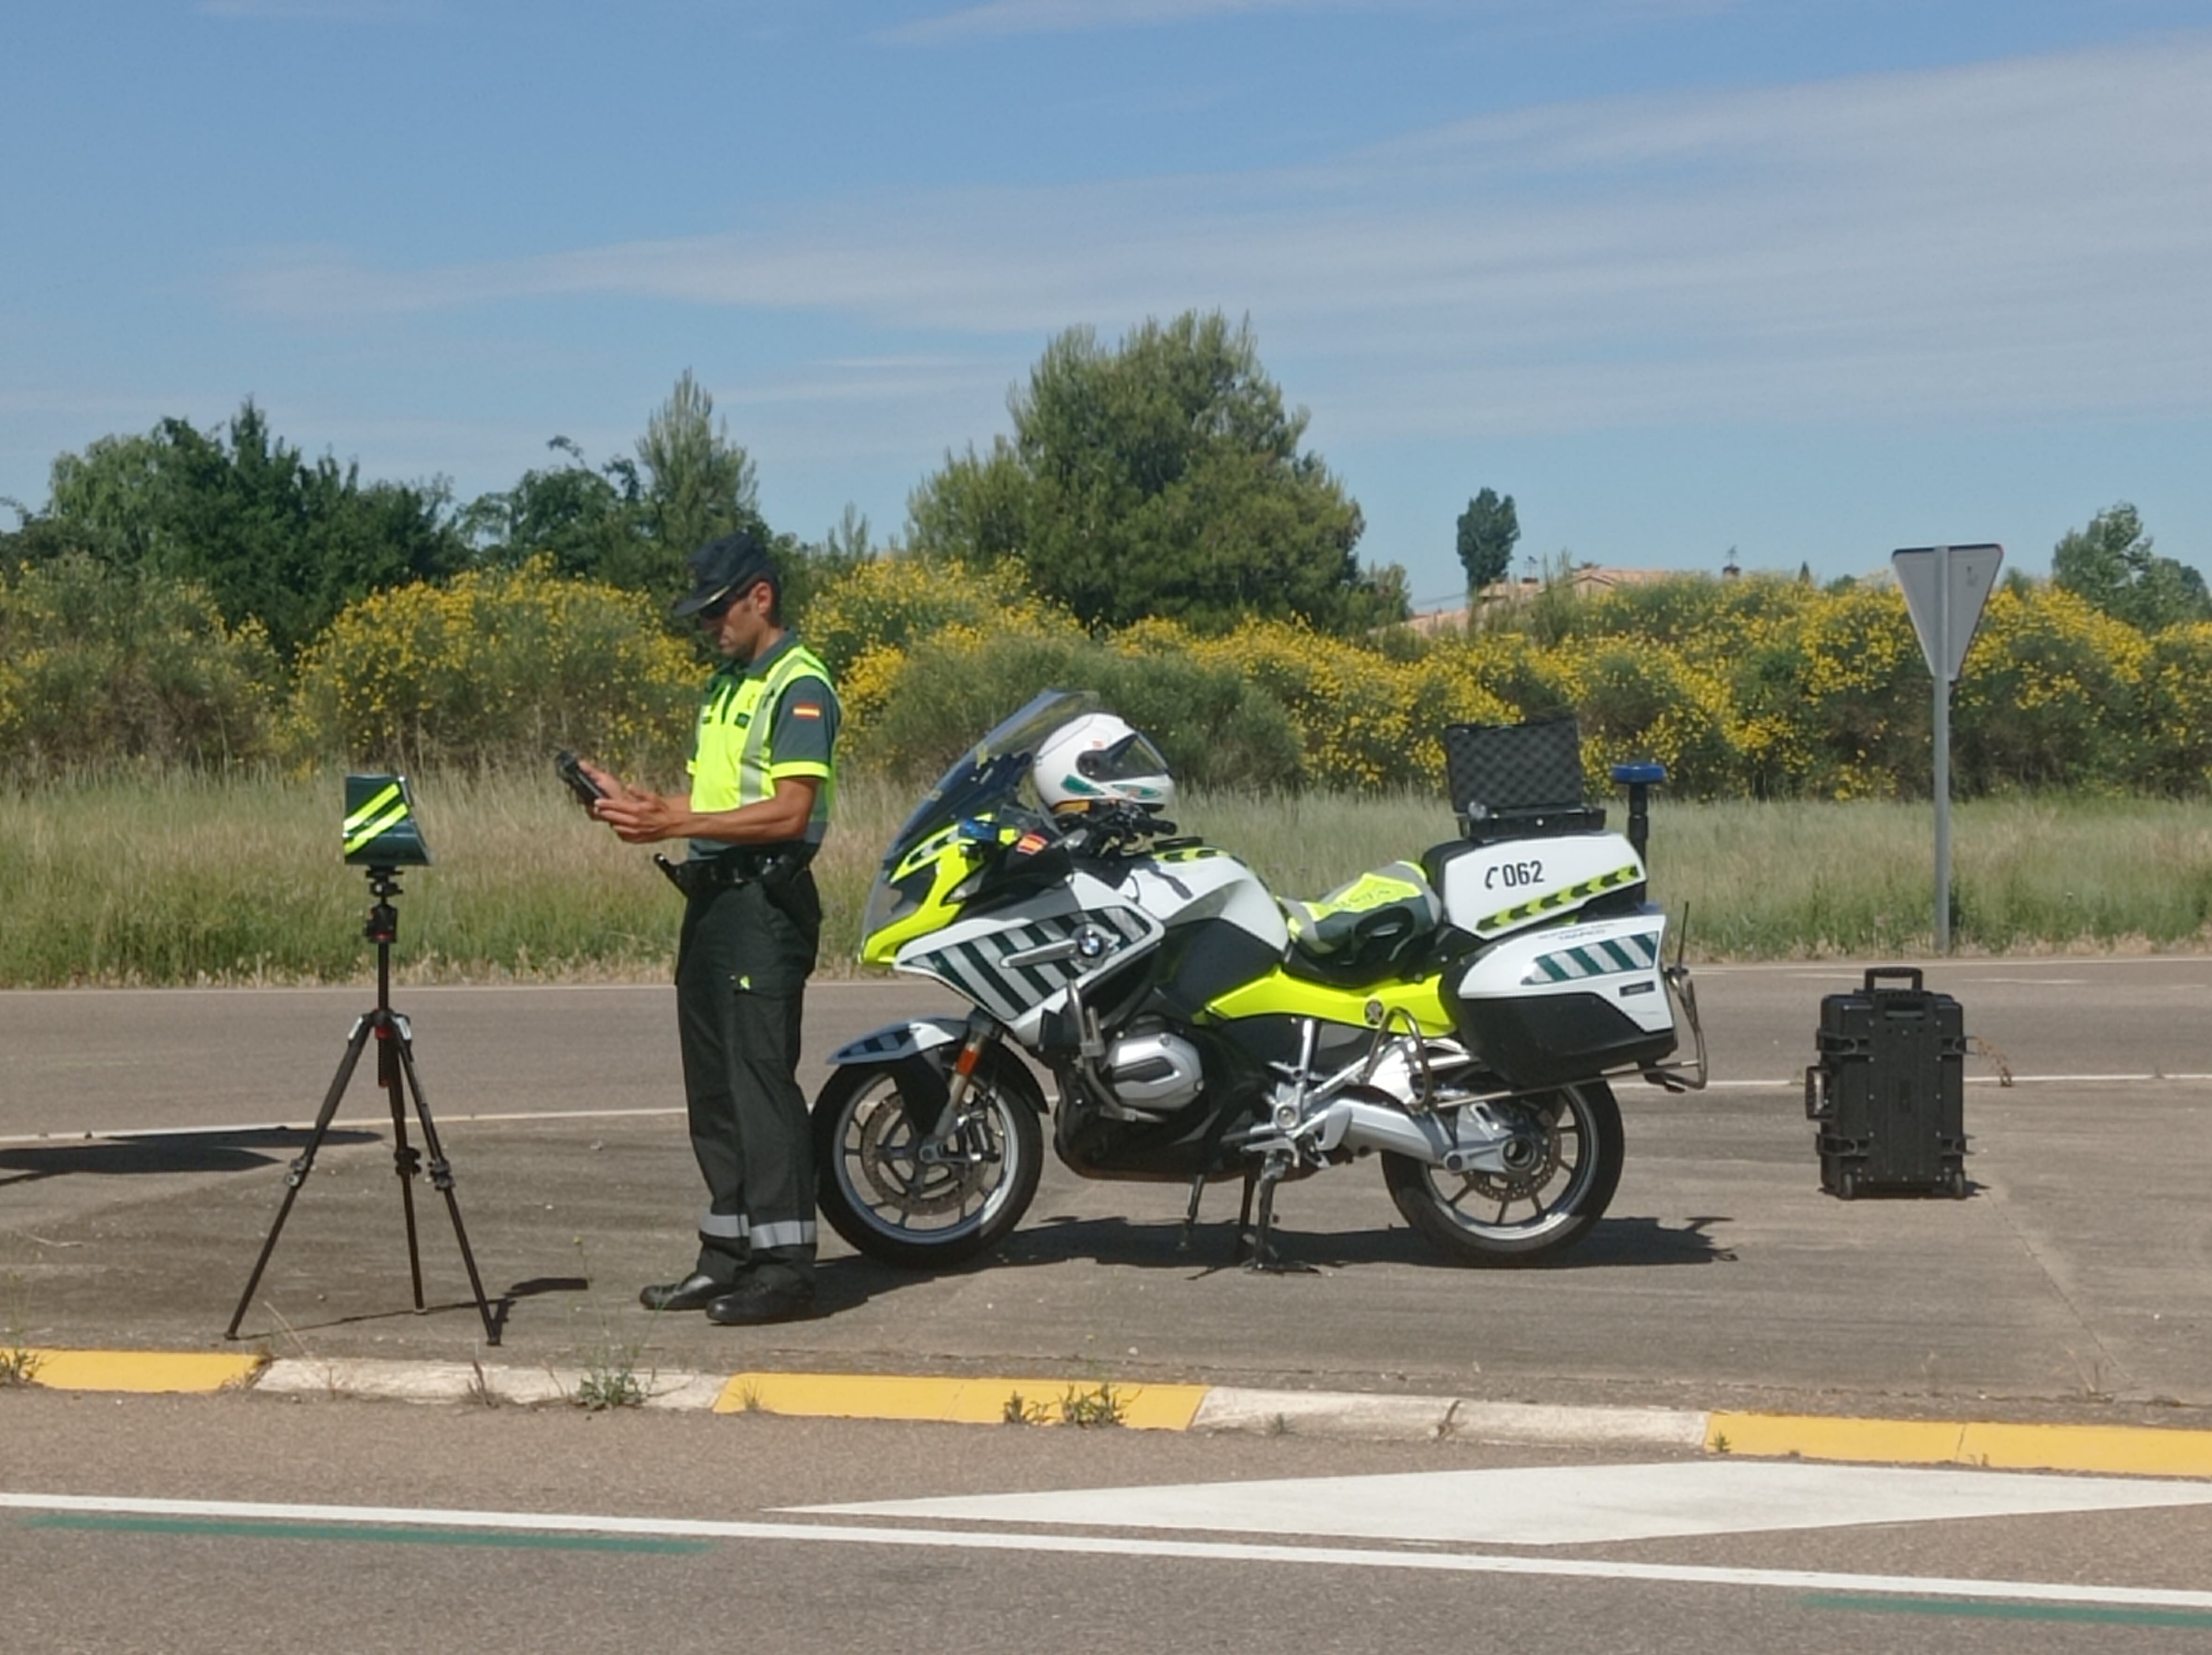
(1911, 974)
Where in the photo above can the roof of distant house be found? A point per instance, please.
(1588, 579)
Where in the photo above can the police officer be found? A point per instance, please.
(763, 776)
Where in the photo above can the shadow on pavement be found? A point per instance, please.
(228, 1150)
(1632, 1242)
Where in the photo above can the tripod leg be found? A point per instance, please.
(441, 1177)
(304, 1162)
(406, 1161)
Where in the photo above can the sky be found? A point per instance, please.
(1794, 281)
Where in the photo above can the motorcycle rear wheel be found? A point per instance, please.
(879, 1196)
(1471, 1214)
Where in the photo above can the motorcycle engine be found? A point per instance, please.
(1153, 1072)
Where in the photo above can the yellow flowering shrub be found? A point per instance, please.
(493, 666)
(101, 665)
(2050, 693)
(892, 602)
(911, 711)
(1363, 719)
(2176, 709)
(1636, 701)
(1859, 690)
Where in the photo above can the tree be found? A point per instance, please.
(631, 522)
(1160, 477)
(699, 485)
(2110, 566)
(589, 521)
(1488, 530)
(242, 513)
(810, 568)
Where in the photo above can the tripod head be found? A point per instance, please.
(383, 926)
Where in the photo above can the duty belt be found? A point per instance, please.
(704, 875)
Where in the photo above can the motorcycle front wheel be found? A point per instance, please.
(1572, 1148)
(878, 1192)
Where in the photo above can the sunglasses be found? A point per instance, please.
(729, 600)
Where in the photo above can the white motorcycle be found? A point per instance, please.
(1458, 1017)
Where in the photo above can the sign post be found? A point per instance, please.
(1945, 588)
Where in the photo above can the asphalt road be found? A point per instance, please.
(2079, 1277)
(82, 1062)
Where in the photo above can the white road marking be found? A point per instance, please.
(1795, 1083)
(342, 1123)
(2039, 1592)
(1558, 1506)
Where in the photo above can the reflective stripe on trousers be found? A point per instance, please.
(733, 1226)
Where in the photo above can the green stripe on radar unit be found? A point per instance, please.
(1573, 893)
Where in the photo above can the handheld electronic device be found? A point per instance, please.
(588, 791)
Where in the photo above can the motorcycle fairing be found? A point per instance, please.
(1279, 994)
(975, 957)
(1187, 891)
(895, 1042)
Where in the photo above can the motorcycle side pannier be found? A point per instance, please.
(1563, 1003)
(1889, 1091)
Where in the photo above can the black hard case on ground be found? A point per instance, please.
(1889, 1091)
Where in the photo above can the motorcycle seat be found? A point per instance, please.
(1364, 923)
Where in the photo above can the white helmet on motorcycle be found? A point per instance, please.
(1099, 759)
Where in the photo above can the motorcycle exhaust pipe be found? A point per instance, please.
(1463, 1139)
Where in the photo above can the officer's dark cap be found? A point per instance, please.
(727, 568)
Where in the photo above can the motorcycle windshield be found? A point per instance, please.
(988, 777)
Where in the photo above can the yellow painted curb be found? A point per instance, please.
(2119, 1449)
(141, 1369)
(957, 1402)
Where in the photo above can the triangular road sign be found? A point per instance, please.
(1946, 628)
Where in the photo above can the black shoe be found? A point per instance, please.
(759, 1299)
(694, 1293)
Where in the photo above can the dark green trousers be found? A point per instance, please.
(741, 963)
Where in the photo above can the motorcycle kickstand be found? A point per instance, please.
(1190, 1213)
(1264, 1259)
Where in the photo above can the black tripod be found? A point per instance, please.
(395, 1064)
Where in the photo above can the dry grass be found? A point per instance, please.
(182, 879)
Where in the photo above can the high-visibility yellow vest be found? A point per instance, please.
(732, 762)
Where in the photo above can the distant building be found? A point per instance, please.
(1588, 581)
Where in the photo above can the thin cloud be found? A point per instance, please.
(999, 18)
(1005, 17)
(2031, 235)
(327, 11)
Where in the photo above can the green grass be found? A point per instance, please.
(184, 880)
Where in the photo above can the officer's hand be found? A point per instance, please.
(639, 818)
(608, 783)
